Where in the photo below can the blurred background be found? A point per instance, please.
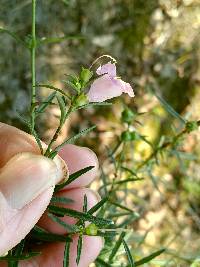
(156, 45)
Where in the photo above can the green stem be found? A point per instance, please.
(33, 71)
(57, 132)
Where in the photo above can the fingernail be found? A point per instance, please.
(63, 172)
(25, 177)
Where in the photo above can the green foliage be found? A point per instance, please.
(75, 137)
(171, 66)
(66, 255)
(128, 253)
(79, 215)
(149, 258)
(128, 115)
(79, 248)
(63, 200)
(116, 247)
(18, 258)
(85, 77)
(49, 237)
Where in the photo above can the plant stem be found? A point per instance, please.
(33, 72)
(57, 132)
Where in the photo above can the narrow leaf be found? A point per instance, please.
(73, 177)
(70, 228)
(46, 102)
(49, 237)
(52, 154)
(62, 106)
(79, 215)
(75, 137)
(116, 247)
(98, 205)
(149, 258)
(21, 257)
(63, 200)
(121, 206)
(39, 229)
(79, 249)
(66, 255)
(169, 108)
(129, 180)
(75, 86)
(13, 35)
(18, 252)
(122, 182)
(93, 105)
(128, 253)
(129, 170)
(102, 263)
(53, 88)
(85, 204)
(12, 263)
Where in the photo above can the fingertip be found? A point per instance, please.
(26, 176)
(77, 158)
(23, 221)
(14, 141)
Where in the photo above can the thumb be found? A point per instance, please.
(26, 176)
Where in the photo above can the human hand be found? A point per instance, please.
(27, 181)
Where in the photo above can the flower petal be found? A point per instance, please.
(126, 88)
(108, 68)
(104, 88)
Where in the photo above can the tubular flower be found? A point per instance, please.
(108, 85)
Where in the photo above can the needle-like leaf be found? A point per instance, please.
(18, 258)
(66, 255)
(79, 215)
(149, 258)
(53, 88)
(169, 108)
(49, 237)
(45, 104)
(79, 249)
(75, 137)
(116, 247)
(69, 227)
(73, 177)
(63, 200)
(128, 253)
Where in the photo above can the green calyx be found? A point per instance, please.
(128, 136)
(85, 76)
(92, 229)
(80, 100)
(128, 116)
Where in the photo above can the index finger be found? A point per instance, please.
(78, 158)
(14, 141)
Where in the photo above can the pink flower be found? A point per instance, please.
(108, 85)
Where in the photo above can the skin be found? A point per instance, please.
(18, 221)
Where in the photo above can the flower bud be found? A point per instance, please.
(128, 115)
(92, 229)
(85, 76)
(129, 136)
(81, 100)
